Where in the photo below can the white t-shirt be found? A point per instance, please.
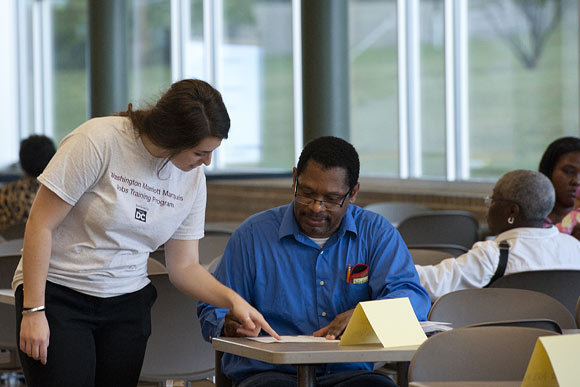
(124, 207)
(530, 249)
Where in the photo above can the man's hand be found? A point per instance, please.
(234, 328)
(336, 327)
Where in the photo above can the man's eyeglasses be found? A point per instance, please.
(307, 199)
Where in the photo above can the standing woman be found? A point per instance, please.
(561, 164)
(117, 189)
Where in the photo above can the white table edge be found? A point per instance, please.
(302, 353)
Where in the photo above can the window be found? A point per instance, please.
(523, 81)
(443, 89)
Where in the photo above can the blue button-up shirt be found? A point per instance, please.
(300, 288)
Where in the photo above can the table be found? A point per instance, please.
(7, 296)
(306, 355)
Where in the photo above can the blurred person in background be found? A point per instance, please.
(561, 164)
(16, 197)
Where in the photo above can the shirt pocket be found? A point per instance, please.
(356, 293)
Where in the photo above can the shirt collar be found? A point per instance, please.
(527, 232)
(288, 226)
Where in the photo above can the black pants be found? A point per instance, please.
(93, 341)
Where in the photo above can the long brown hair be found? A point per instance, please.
(188, 112)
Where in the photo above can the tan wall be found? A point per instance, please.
(235, 200)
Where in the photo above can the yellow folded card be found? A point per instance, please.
(554, 362)
(390, 322)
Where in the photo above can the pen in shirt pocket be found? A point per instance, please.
(357, 274)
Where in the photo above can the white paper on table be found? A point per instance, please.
(434, 326)
(292, 339)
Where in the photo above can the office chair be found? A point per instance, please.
(451, 249)
(396, 212)
(495, 353)
(475, 306)
(211, 245)
(449, 227)
(426, 257)
(563, 285)
(578, 313)
(10, 367)
(176, 348)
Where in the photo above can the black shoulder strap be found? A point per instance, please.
(504, 250)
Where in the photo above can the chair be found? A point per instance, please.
(229, 226)
(426, 257)
(155, 267)
(449, 227)
(450, 249)
(563, 285)
(578, 313)
(10, 367)
(211, 245)
(396, 212)
(176, 348)
(494, 353)
(474, 306)
(539, 323)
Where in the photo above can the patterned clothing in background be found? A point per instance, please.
(15, 201)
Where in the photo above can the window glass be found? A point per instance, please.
(432, 54)
(255, 78)
(149, 47)
(523, 81)
(69, 66)
(373, 84)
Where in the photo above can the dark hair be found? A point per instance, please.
(555, 150)
(331, 152)
(35, 153)
(188, 112)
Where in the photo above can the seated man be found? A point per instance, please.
(520, 202)
(299, 265)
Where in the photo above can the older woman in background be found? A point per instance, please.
(520, 202)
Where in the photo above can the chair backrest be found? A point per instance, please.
(539, 323)
(563, 285)
(451, 227)
(578, 313)
(8, 264)
(226, 226)
(425, 257)
(211, 245)
(396, 212)
(451, 249)
(155, 267)
(472, 306)
(8, 337)
(475, 354)
(176, 348)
